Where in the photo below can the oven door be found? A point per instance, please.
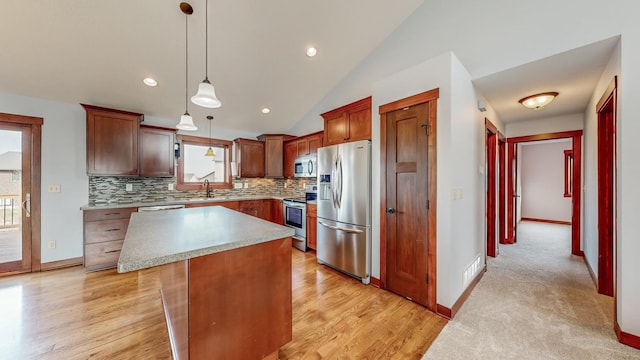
(295, 215)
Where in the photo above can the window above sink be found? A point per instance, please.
(194, 167)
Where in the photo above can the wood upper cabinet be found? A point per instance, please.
(301, 146)
(348, 123)
(112, 141)
(250, 158)
(156, 151)
(274, 154)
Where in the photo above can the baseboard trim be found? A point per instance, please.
(593, 274)
(374, 281)
(53, 265)
(546, 221)
(626, 338)
(450, 313)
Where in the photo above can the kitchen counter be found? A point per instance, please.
(225, 280)
(128, 204)
(161, 237)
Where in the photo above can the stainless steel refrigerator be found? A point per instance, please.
(344, 208)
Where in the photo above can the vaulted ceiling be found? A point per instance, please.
(98, 52)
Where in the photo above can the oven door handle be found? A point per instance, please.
(352, 231)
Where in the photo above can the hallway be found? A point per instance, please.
(536, 301)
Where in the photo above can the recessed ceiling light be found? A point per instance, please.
(265, 110)
(150, 82)
(311, 52)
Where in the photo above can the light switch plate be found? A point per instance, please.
(172, 187)
(53, 188)
(129, 187)
(237, 186)
(246, 185)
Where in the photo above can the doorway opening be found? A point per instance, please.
(408, 198)
(20, 139)
(513, 192)
(495, 209)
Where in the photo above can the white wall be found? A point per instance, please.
(545, 125)
(543, 181)
(590, 160)
(475, 32)
(64, 163)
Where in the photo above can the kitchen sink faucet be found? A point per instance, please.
(209, 189)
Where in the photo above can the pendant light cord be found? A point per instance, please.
(206, 39)
(186, 63)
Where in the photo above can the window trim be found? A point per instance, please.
(196, 140)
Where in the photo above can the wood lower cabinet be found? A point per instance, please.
(104, 232)
(277, 211)
(253, 208)
(112, 141)
(233, 205)
(250, 158)
(312, 225)
(348, 123)
(157, 156)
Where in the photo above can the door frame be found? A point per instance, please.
(494, 145)
(35, 123)
(427, 96)
(576, 199)
(606, 246)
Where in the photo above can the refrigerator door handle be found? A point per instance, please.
(339, 178)
(352, 231)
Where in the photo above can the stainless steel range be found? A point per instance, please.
(295, 217)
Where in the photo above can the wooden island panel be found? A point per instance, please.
(234, 304)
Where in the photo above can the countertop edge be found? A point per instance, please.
(180, 202)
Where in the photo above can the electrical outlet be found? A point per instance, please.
(285, 185)
(129, 187)
(246, 185)
(52, 244)
(53, 188)
(237, 185)
(172, 187)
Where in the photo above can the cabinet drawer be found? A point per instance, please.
(99, 231)
(251, 204)
(108, 214)
(103, 255)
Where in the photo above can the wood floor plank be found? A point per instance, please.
(71, 314)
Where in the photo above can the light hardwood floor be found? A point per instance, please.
(70, 314)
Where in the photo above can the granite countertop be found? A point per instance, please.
(125, 204)
(162, 237)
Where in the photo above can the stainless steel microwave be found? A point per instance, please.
(306, 166)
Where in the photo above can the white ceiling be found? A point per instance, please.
(573, 74)
(98, 52)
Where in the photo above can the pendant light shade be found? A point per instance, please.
(186, 121)
(206, 96)
(210, 149)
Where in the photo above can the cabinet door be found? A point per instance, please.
(290, 153)
(315, 142)
(112, 141)
(250, 158)
(251, 207)
(273, 164)
(359, 124)
(303, 147)
(277, 212)
(335, 129)
(265, 210)
(156, 152)
(312, 226)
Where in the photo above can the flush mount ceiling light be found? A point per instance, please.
(311, 52)
(210, 149)
(186, 121)
(538, 101)
(265, 110)
(150, 82)
(206, 95)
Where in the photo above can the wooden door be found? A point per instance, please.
(20, 141)
(490, 139)
(407, 201)
(606, 189)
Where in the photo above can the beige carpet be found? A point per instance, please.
(536, 301)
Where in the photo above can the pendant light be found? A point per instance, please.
(186, 121)
(210, 149)
(206, 95)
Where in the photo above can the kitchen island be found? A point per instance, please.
(225, 279)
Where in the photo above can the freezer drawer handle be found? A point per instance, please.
(353, 231)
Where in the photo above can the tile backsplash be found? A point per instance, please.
(112, 189)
